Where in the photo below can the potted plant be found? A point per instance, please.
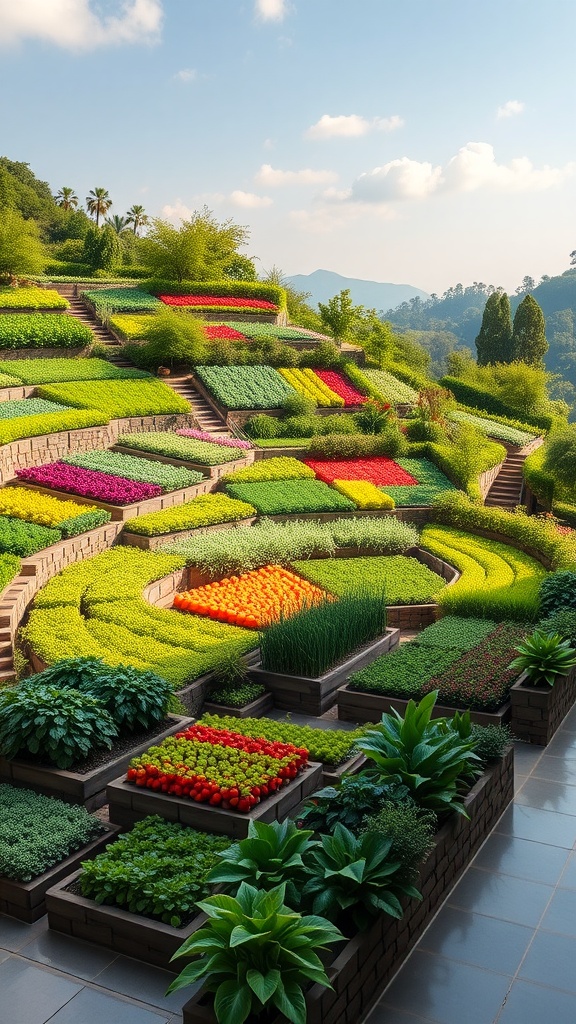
(546, 689)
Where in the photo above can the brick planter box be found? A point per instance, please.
(355, 706)
(144, 938)
(119, 513)
(130, 803)
(26, 900)
(538, 711)
(315, 696)
(88, 789)
(366, 963)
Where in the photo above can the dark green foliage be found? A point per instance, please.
(544, 657)
(494, 341)
(403, 672)
(558, 592)
(298, 405)
(134, 699)
(9, 568)
(159, 869)
(351, 446)
(102, 248)
(426, 755)
(270, 855)
(529, 343)
(316, 638)
(252, 964)
(236, 695)
(563, 622)
(490, 741)
(83, 522)
(452, 631)
(37, 832)
(355, 874)
(262, 425)
(422, 430)
(355, 797)
(560, 456)
(409, 827)
(60, 727)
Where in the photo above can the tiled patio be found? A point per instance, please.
(501, 951)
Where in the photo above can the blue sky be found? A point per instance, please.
(416, 141)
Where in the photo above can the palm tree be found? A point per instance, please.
(67, 198)
(98, 203)
(119, 224)
(137, 217)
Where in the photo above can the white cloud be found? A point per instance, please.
(178, 210)
(349, 126)
(272, 177)
(248, 200)
(473, 168)
(510, 109)
(186, 75)
(77, 25)
(271, 10)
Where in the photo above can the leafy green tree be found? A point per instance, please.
(98, 203)
(174, 337)
(21, 251)
(199, 250)
(102, 248)
(137, 217)
(117, 223)
(67, 198)
(494, 342)
(339, 315)
(560, 455)
(529, 339)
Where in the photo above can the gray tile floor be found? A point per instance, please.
(501, 950)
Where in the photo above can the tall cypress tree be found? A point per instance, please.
(529, 343)
(494, 342)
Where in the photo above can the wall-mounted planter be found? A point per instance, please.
(27, 900)
(538, 711)
(315, 696)
(364, 966)
(89, 788)
(130, 803)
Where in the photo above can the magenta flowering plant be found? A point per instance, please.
(203, 435)
(89, 483)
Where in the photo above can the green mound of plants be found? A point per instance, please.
(403, 580)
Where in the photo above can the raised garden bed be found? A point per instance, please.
(538, 711)
(212, 472)
(315, 696)
(255, 709)
(355, 706)
(129, 804)
(27, 900)
(139, 540)
(360, 971)
(143, 938)
(89, 788)
(119, 513)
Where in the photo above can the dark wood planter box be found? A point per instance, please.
(364, 966)
(130, 803)
(143, 938)
(354, 706)
(26, 900)
(538, 711)
(332, 776)
(315, 696)
(255, 709)
(73, 787)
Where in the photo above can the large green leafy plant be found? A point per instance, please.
(256, 954)
(544, 657)
(270, 855)
(429, 756)
(355, 797)
(358, 875)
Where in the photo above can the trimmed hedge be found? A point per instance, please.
(539, 480)
(237, 289)
(488, 403)
(43, 330)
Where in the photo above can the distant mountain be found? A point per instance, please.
(323, 284)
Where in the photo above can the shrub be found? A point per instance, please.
(486, 402)
(159, 869)
(422, 430)
(37, 330)
(409, 829)
(298, 404)
(118, 399)
(427, 755)
(349, 802)
(61, 727)
(262, 426)
(204, 510)
(490, 741)
(299, 426)
(563, 622)
(539, 479)
(558, 592)
(345, 446)
(37, 832)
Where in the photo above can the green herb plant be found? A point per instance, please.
(544, 657)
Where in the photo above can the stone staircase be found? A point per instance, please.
(506, 491)
(206, 417)
(85, 315)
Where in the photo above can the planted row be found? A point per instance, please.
(191, 449)
(204, 510)
(118, 399)
(169, 478)
(42, 330)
